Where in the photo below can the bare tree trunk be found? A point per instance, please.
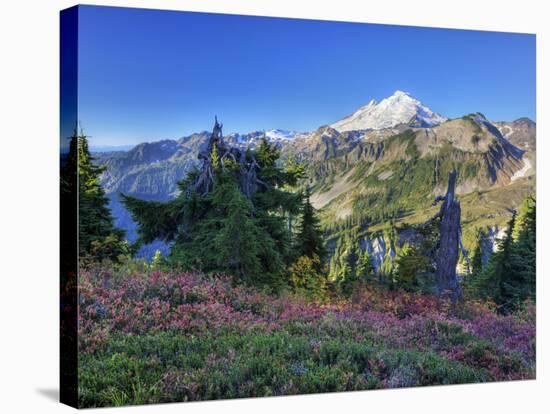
(247, 174)
(449, 242)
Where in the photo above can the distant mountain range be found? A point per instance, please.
(111, 148)
(387, 159)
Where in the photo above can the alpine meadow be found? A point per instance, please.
(239, 235)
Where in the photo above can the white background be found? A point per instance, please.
(29, 204)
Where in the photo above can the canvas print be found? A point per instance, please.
(256, 206)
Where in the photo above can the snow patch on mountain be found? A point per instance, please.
(279, 134)
(396, 109)
(251, 139)
(521, 173)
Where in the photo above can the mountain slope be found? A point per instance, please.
(483, 156)
(521, 133)
(366, 182)
(152, 170)
(399, 108)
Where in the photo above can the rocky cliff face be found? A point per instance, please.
(380, 248)
(521, 133)
(364, 179)
(347, 167)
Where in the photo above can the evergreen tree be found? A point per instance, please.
(230, 239)
(97, 235)
(409, 264)
(306, 279)
(503, 267)
(477, 256)
(387, 270)
(237, 242)
(225, 228)
(348, 279)
(523, 285)
(365, 269)
(69, 168)
(348, 275)
(510, 276)
(310, 237)
(293, 172)
(526, 217)
(267, 156)
(215, 158)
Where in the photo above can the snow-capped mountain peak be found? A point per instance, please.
(399, 108)
(279, 134)
(251, 139)
(371, 104)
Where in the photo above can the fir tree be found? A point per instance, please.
(236, 224)
(69, 168)
(365, 269)
(510, 276)
(503, 266)
(310, 237)
(409, 264)
(477, 256)
(97, 235)
(215, 157)
(348, 279)
(237, 243)
(523, 285)
(526, 217)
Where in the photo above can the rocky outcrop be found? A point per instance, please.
(490, 243)
(380, 250)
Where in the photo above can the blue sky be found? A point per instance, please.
(146, 75)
